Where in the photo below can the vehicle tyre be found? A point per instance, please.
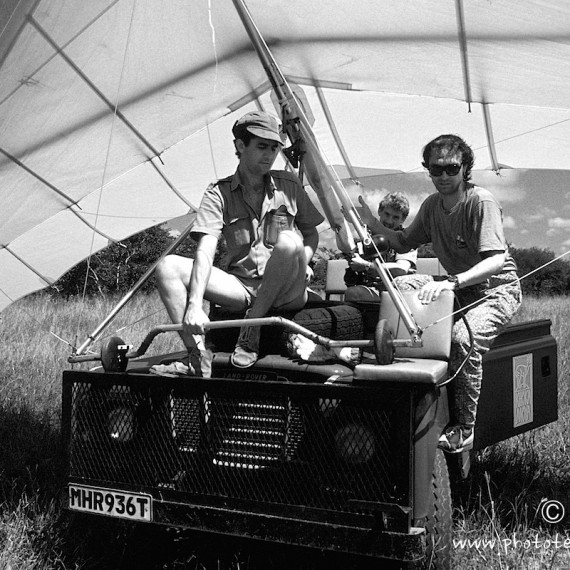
(339, 322)
(439, 523)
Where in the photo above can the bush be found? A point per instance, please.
(117, 268)
(552, 279)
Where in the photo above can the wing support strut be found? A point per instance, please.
(463, 49)
(490, 138)
(336, 136)
(97, 332)
(317, 170)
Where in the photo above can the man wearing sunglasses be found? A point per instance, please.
(464, 224)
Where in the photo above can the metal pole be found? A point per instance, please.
(298, 120)
(95, 334)
(297, 126)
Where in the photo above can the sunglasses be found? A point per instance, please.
(450, 169)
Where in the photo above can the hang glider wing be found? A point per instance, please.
(115, 116)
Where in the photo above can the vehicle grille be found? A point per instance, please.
(325, 447)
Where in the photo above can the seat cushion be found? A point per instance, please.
(406, 370)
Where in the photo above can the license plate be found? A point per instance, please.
(131, 506)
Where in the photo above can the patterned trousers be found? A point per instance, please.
(493, 310)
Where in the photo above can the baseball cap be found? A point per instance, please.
(260, 124)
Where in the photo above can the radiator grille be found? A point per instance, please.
(221, 441)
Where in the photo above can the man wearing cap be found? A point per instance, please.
(269, 224)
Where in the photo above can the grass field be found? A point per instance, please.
(497, 518)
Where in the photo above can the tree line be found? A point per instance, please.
(117, 268)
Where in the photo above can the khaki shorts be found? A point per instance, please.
(251, 285)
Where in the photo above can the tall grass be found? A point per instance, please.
(36, 335)
(499, 501)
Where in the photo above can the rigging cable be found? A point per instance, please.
(215, 88)
(519, 279)
(106, 163)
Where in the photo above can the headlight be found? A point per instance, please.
(121, 424)
(355, 443)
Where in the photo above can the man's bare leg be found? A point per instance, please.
(173, 279)
(284, 281)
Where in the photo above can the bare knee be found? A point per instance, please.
(288, 244)
(172, 267)
(164, 269)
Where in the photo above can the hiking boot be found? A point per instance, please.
(197, 363)
(456, 439)
(246, 351)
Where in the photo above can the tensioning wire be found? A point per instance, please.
(107, 155)
(519, 279)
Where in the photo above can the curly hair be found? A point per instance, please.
(397, 201)
(451, 144)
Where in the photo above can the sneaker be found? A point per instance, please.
(197, 363)
(456, 439)
(303, 348)
(246, 351)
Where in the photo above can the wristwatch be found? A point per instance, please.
(454, 279)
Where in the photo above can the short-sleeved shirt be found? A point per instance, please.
(249, 227)
(459, 236)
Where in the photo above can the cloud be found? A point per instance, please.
(564, 247)
(560, 223)
(509, 222)
(542, 213)
(506, 195)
